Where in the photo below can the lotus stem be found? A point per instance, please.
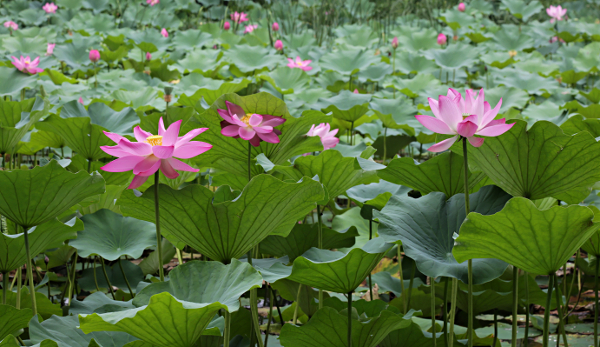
(596, 302)
(297, 305)
(96, 76)
(370, 280)
(4, 287)
(125, 278)
(470, 261)
(30, 271)
(277, 306)
(410, 284)
(320, 245)
(561, 324)
(445, 310)
(227, 330)
(401, 278)
(495, 327)
(526, 339)
(254, 309)
(249, 161)
(384, 145)
(452, 311)
(270, 295)
(95, 276)
(547, 312)
(433, 325)
(350, 319)
(515, 288)
(19, 284)
(110, 288)
(158, 237)
(72, 277)
(179, 256)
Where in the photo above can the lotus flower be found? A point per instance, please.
(153, 152)
(249, 126)
(356, 91)
(275, 26)
(12, 25)
(299, 63)
(26, 65)
(148, 56)
(512, 53)
(463, 118)
(94, 55)
(152, 2)
(279, 45)
(556, 38)
(239, 17)
(226, 25)
(556, 12)
(164, 32)
(80, 100)
(50, 48)
(327, 137)
(250, 28)
(462, 7)
(50, 7)
(395, 42)
(442, 39)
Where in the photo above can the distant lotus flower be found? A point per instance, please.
(556, 12)
(327, 137)
(462, 7)
(148, 56)
(356, 91)
(249, 126)
(239, 17)
(455, 37)
(27, 65)
(226, 26)
(395, 42)
(50, 48)
(512, 53)
(164, 32)
(50, 7)
(556, 38)
(153, 152)
(463, 118)
(80, 100)
(442, 39)
(94, 55)
(275, 26)
(152, 2)
(279, 45)
(12, 25)
(299, 63)
(250, 28)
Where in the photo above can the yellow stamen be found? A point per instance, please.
(154, 140)
(246, 118)
(512, 53)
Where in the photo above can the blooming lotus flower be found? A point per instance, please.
(50, 48)
(279, 45)
(50, 7)
(12, 25)
(249, 126)
(299, 63)
(275, 26)
(442, 39)
(239, 17)
(556, 12)
(153, 152)
(27, 65)
(327, 137)
(152, 2)
(462, 7)
(164, 32)
(226, 25)
(148, 56)
(395, 42)
(250, 28)
(94, 55)
(463, 118)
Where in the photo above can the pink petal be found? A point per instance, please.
(138, 180)
(443, 145)
(167, 169)
(145, 165)
(435, 107)
(269, 137)
(495, 130)
(235, 109)
(231, 131)
(115, 151)
(255, 141)
(255, 120)
(290, 60)
(496, 122)
(237, 121)
(191, 149)
(330, 142)
(449, 112)
(306, 68)
(435, 125)
(475, 141)
(225, 115)
(115, 137)
(246, 133)
(163, 152)
(189, 136)
(272, 120)
(122, 164)
(181, 166)
(161, 127)
(491, 114)
(170, 136)
(263, 129)
(141, 135)
(136, 148)
(468, 127)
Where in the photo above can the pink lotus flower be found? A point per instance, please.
(80, 100)
(249, 126)
(152, 2)
(442, 39)
(94, 55)
(50, 7)
(226, 25)
(462, 7)
(153, 152)
(327, 137)
(275, 26)
(395, 42)
(26, 65)
(164, 32)
(239, 17)
(463, 118)
(148, 56)
(279, 45)
(12, 25)
(556, 38)
(50, 48)
(250, 28)
(299, 63)
(356, 91)
(556, 12)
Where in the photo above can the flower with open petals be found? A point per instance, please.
(556, 12)
(239, 17)
(463, 118)
(327, 137)
(27, 65)
(50, 48)
(12, 25)
(249, 126)
(164, 32)
(299, 63)
(154, 152)
(250, 28)
(50, 7)
(152, 2)
(279, 45)
(442, 39)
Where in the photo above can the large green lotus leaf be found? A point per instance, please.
(497, 59)
(442, 173)
(455, 56)
(328, 327)
(45, 307)
(231, 155)
(164, 322)
(120, 122)
(98, 302)
(64, 330)
(396, 113)
(521, 9)
(374, 73)
(413, 39)
(540, 162)
(511, 97)
(138, 98)
(511, 38)
(207, 88)
(587, 57)
(348, 62)
(545, 111)
(426, 227)
(16, 118)
(45, 236)
(191, 38)
(577, 123)
(149, 40)
(532, 83)
(106, 200)
(303, 296)
(76, 53)
(537, 65)
(13, 320)
(207, 61)
(286, 80)
(206, 282)
(32, 197)
(414, 335)
(305, 236)
(537, 241)
(347, 105)
(407, 62)
(338, 271)
(457, 19)
(227, 230)
(13, 80)
(115, 276)
(110, 235)
(251, 58)
(414, 86)
(11, 341)
(362, 38)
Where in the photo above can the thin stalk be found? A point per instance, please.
(561, 322)
(277, 306)
(350, 319)
(4, 287)
(297, 305)
(445, 310)
(254, 309)
(370, 281)
(596, 302)
(394, 68)
(96, 76)
(72, 277)
(125, 278)
(19, 284)
(547, 312)
(270, 295)
(161, 271)
(433, 325)
(227, 330)
(179, 256)
(526, 339)
(515, 319)
(110, 288)
(320, 245)
(95, 276)
(30, 271)
(384, 145)
(452, 311)
(401, 279)
(89, 165)
(352, 134)
(495, 327)
(410, 284)
(470, 261)
(249, 160)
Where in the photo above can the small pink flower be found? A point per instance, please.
(50, 7)
(249, 126)
(395, 43)
(463, 118)
(152, 2)
(226, 26)
(12, 25)
(154, 152)
(356, 91)
(299, 63)
(148, 56)
(462, 7)
(275, 26)
(50, 48)
(327, 137)
(279, 45)
(556, 12)
(81, 100)
(556, 38)
(250, 28)
(94, 55)
(442, 39)
(27, 65)
(164, 32)
(239, 17)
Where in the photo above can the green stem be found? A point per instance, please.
(125, 278)
(370, 281)
(384, 145)
(401, 279)
(254, 309)
(270, 295)
(320, 245)
(72, 277)
(95, 276)
(19, 285)
(470, 261)
(495, 327)
(297, 305)
(515, 318)
(596, 301)
(96, 76)
(410, 284)
(561, 322)
(547, 312)
(110, 288)
(249, 160)
(89, 165)
(445, 310)
(350, 319)
(227, 330)
(433, 325)
(452, 311)
(526, 339)
(157, 219)
(30, 271)
(393, 70)
(4, 287)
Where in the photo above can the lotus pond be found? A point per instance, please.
(299, 173)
